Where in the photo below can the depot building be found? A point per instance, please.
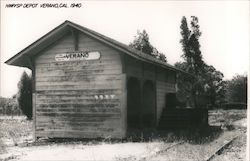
(87, 85)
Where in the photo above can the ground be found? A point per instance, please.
(193, 144)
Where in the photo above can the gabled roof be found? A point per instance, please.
(22, 58)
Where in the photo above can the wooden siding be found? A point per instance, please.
(133, 67)
(79, 98)
(139, 69)
(165, 84)
(149, 72)
(165, 80)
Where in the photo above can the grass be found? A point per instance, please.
(225, 118)
(2, 147)
(17, 129)
(14, 128)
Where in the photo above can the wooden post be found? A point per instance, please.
(141, 103)
(34, 115)
(155, 110)
(141, 95)
(124, 107)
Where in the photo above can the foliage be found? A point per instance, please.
(183, 83)
(185, 33)
(190, 45)
(8, 106)
(2, 101)
(24, 96)
(193, 86)
(210, 86)
(141, 43)
(236, 90)
(214, 86)
(162, 57)
(206, 85)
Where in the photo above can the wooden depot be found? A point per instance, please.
(86, 85)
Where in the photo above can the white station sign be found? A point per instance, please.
(78, 55)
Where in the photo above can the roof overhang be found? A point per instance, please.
(24, 57)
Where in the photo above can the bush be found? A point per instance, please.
(24, 96)
(237, 89)
(8, 106)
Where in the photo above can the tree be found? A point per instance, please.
(141, 43)
(214, 86)
(185, 33)
(24, 96)
(206, 85)
(162, 57)
(191, 46)
(236, 90)
(184, 85)
(193, 58)
(210, 86)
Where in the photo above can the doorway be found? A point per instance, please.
(133, 103)
(170, 100)
(148, 110)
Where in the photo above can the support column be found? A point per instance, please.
(141, 103)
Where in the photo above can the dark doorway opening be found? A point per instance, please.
(148, 108)
(133, 103)
(170, 100)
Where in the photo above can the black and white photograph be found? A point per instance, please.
(124, 80)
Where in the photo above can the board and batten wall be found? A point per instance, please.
(85, 98)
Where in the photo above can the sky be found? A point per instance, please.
(224, 26)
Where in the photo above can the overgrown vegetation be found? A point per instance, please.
(19, 127)
(9, 106)
(14, 129)
(19, 131)
(236, 90)
(225, 117)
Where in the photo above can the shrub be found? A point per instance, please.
(8, 106)
(24, 96)
(237, 89)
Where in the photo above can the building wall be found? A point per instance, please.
(79, 98)
(165, 84)
(163, 79)
(133, 67)
(141, 70)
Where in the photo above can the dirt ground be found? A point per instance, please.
(234, 151)
(16, 143)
